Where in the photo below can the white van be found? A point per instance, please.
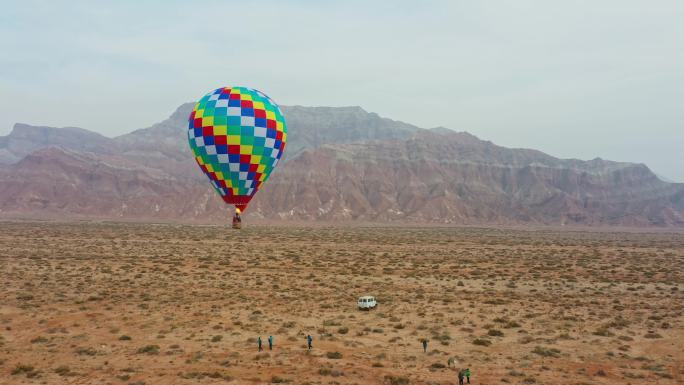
(367, 302)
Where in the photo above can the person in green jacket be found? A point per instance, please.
(467, 374)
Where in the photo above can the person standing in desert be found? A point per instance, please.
(259, 343)
(309, 340)
(270, 342)
(425, 342)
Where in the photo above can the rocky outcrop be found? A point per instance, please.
(311, 127)
(456, 178)
(54, 182)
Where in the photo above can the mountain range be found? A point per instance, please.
(341, 164)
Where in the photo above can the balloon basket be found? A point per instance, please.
(237, 226)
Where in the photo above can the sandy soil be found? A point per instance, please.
(169, 304)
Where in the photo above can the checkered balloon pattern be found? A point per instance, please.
(237, 135)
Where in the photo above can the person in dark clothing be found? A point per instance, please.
(237, 221)
(259, 342)
(460, 377)
(425, 341)
(270, 342)
(467, 374)
(309, 340)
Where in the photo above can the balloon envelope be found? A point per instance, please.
(237, 135)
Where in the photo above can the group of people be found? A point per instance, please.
(270, 343)
(463, 373)
(309, 342)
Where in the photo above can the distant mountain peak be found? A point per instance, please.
(45, 133)
(344, 109)
(26, 138)
(182, 112)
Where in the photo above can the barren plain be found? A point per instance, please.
(135, 304)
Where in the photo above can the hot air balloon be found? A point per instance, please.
(237, 136)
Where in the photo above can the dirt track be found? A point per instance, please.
(163, 304)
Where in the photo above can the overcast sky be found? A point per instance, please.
(576, 79)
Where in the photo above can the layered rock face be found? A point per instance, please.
(342, 164)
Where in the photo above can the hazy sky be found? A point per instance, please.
(575, 79)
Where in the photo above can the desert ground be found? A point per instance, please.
(108, 303)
